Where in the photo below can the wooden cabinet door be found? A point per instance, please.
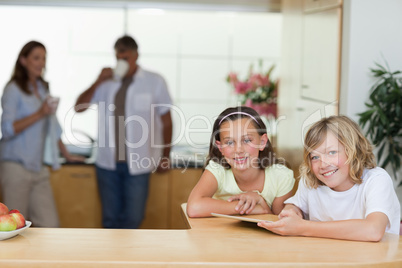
(157, 210)
(75, 191)
(77, 199)
(182, 183)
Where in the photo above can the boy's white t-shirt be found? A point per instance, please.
(375, 194)
(279, 181)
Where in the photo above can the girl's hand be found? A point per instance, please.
(289, 223)
(247, 201)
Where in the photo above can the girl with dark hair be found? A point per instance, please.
(28, 125)
(242, 175)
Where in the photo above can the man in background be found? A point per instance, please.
(134, 134)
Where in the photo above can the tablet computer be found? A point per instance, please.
(248, 218)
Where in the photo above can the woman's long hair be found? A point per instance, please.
(20, 73)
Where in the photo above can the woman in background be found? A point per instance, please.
(29, 125)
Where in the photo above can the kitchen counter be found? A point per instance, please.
(212, 242)
(180, 156)
(75, 190)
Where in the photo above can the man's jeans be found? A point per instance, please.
(123, 196)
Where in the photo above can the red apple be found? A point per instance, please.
(14, 211)
(19, 219)
(3, 209)
(7, 223)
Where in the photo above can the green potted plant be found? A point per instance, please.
(383, 118)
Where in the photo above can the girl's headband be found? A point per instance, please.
(249, 115)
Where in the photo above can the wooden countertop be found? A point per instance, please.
(213, 242)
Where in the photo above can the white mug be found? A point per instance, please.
(53, 103)
(121, 69)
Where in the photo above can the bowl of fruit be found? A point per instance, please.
(12, 222)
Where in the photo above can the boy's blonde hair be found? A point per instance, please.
(359, 151)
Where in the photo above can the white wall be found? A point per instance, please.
(297, 111)
(79, 42)
(193, 50)
(371, 33)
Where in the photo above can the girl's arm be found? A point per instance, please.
(371, 228)
(278, 205)
(201, 204)
(294, 208)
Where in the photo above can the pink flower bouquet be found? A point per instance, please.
(257, 91)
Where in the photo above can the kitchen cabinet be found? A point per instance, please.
(310, 71)
(157, 208)
(76, 194)
(78, 202)
(321, 54)
(166, 194)
(181, 183)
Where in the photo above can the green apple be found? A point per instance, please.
(19, 219)
(7, 223)
(3, 209)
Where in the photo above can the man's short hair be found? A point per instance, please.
(125, 43)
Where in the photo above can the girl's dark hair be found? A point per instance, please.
(266, 157)
(20, 74)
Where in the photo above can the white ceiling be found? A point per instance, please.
(229, 5)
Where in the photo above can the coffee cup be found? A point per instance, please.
(53, 103)
(121, 69)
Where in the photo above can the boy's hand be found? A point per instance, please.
(289, 223)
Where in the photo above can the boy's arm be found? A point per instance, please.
(371, 228)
